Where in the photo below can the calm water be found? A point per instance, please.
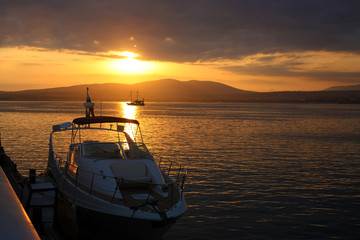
(256, 171)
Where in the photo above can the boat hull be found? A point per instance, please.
(99, 225)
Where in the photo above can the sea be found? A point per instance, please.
(255, 170)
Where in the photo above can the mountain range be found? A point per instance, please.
(178, 91)
(344, 88)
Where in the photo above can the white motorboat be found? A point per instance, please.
(113, 183)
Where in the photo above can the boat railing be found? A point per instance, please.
(87, 181)
(173, 169)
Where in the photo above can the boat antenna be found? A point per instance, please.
(89, 106)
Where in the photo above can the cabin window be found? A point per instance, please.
(101, 150)
(138, 151)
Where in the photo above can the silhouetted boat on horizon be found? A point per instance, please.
(136, 102)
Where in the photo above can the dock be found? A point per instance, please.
(27, 204)
(14, 222)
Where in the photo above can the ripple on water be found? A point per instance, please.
(256, 171)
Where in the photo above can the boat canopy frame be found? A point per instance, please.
(103, 119)
(83, 123)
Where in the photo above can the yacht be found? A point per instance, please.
(114, 185)
(136, 102)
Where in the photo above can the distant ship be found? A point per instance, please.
(136, 102)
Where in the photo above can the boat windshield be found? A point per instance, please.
(123, 141)
(101, 150)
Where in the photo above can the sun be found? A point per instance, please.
(130, 65)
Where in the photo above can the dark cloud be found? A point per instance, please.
(286, 70)
(186, 30)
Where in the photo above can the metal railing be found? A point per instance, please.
(174, 170)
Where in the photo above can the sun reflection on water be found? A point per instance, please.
(128, 111)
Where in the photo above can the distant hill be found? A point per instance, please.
(160, 90)
(171, 90)
(344, 88)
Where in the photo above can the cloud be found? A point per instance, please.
(285, 71)
(169, 40)
(295, 65)
(183, 31)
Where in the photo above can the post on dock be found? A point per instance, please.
(32, 175)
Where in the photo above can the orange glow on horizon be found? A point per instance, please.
(25, 68)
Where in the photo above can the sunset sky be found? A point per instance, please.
(258, 45)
